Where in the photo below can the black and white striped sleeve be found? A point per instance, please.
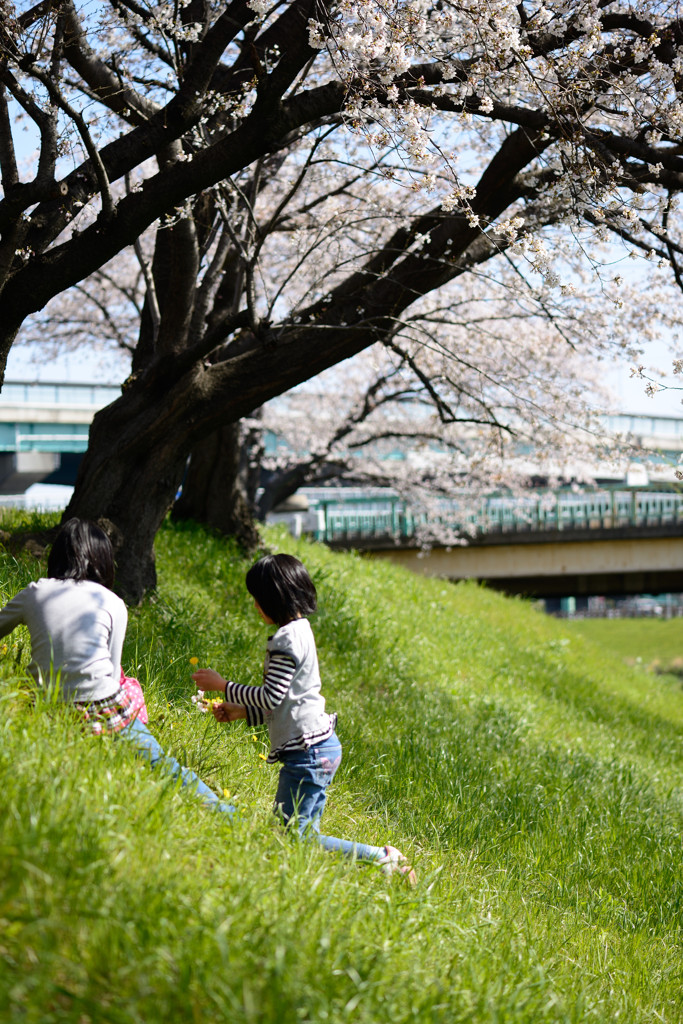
(276, 683)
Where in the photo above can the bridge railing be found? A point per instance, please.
(50, 417)
(22, 392)
(385, 515)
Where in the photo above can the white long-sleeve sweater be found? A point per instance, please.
(77, 630)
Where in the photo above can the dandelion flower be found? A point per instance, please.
(262, 756)
(194, 661)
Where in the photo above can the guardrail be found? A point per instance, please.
(50, 417)
(23, 392)
(383, 515)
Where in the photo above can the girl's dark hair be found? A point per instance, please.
(82, 551)
(282, 587)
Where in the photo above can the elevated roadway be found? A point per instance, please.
(609, 542)
(44, 430)
(604, 563)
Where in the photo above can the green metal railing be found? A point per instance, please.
(384, 515)
(25, 392)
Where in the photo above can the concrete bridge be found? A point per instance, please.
(608, 542)
(605, 563)
(44, 430)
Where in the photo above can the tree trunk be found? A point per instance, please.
(137, 453)
(217, 489)
(126, 482)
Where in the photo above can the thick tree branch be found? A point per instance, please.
(8, 158)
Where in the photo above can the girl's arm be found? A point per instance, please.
(119, 622)
(12, 615)
(276, 683)
(209, 679)
(256, 699)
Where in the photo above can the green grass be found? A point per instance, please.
(644, 640)
(531, 776)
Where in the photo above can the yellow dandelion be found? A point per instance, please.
(254, 738)
(262, 756)
(194, 661)
(226, 794)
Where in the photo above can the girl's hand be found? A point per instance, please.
(227, 712)
(207, 679)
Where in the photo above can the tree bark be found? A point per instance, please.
(137, 452)
(217, 488)
(127, 482)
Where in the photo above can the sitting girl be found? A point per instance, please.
(77, 627)
(302, 734)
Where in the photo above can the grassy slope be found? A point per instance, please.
(534, 780)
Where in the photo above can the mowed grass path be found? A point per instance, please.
(533, 778)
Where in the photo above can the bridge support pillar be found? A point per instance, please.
(18, 470)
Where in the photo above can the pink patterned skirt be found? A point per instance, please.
(115, 713)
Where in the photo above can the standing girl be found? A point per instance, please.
(77, 627)
(302, 734)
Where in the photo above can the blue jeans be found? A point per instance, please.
(302, 792)
(151, 750)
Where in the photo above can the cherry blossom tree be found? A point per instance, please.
(490, 389)
(501, 393)
(398, 146)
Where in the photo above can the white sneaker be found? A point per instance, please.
(393, 862)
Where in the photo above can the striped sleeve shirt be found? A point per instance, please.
(257, 699)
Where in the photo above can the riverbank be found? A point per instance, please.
(532, 777)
